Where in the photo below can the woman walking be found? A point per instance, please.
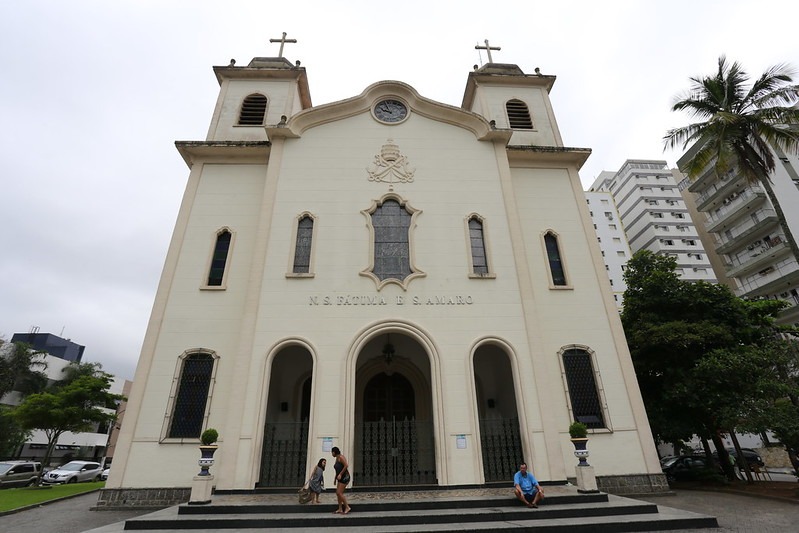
(317, 482)
(342, 478)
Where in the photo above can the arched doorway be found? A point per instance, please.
(285, 445)
(500, 439)
(394, 422)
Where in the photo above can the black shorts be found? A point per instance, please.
(530, 496)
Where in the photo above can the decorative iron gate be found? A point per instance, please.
(502, 448)
(394, 453)
(285, 454)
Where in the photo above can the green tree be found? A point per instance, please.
(12, 435)
(21, 368)
(76, 406)
(740, 126)
(696, 347)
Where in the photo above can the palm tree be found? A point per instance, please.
(740, 126)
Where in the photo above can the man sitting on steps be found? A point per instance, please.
(526, 487)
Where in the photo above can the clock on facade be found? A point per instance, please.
(390, 111)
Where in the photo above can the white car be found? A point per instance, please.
(104, 475)
(74, 471)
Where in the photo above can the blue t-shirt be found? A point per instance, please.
(526, 483)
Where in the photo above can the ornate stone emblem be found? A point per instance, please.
(390, 166)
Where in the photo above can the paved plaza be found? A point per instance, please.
(735, 512)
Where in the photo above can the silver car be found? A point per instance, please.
(74, 471)
(19, 473)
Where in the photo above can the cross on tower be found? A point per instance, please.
(488, 49)
(283, 41)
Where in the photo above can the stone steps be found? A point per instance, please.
(564, 509)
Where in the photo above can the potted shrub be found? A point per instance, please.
(579, 437)
(207, 448)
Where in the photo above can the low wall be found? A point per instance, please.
(144, 498)
(632, 484)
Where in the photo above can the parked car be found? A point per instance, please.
(752, 457)
(19, 473)
(74, 471)
(104, 475)
(686, 467)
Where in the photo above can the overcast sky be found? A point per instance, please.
(93, 95)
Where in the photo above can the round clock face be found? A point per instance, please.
(390, 111)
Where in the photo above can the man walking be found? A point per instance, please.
(526, 487)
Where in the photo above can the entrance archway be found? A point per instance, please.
(500, 438)
(394, 437)
(285, 445)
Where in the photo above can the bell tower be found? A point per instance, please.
(257, 95)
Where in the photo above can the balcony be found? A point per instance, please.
(743, 233)
(757, 259)
(709, 177)
(734, 209)
(713, 196)
(784, 274)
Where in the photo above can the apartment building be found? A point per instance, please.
(654, 216)
(612, 240)
(747, 233)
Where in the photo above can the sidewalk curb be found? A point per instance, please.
(48, 502)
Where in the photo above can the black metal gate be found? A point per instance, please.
(394, 453)
(502, 448)
(285, 454)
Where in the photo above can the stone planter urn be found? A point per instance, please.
(579, 437)
(207, 450)
(206, 459)
(581, 451)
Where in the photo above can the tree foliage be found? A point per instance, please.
(707, 361)
(76, 406)
(21, 368)
(740, 125)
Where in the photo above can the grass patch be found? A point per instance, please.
(11, 499)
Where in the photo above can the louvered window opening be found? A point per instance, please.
(219, 260)
(479, 261)
(580, 378)
(189, 411)
(253, 110)
(302, 249)
(518, 115)
(392, 258)
(555, 262)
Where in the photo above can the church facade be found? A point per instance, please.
(416, 283)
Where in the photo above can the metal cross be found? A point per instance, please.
(487, 48)
(283, 41)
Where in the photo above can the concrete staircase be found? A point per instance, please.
(564, 509)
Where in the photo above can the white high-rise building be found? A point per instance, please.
(612, 240)
(747, 232)
(654, 215)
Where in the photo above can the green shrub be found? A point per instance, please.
(209, 436)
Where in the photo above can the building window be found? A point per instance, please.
(191, 398)
(302, 245)
(678, 215)
(477, 247)
(657, 215)
(390, 224)
(610, 226)
(253, 110)
(555, 259)
(582, 386)
(219, 262)
(518, 115)
(620, 253)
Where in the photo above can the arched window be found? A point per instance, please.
(216, 273)
(583, 393)
(391, 224)
(188, 410)
(518, 115)
(556, 269)
(478, 249)
(253, 110)
(302, 246)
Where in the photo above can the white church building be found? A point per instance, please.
(416, 283)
